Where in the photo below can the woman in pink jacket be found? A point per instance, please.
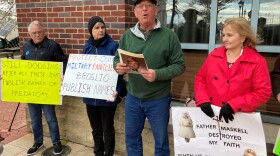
(234, 76)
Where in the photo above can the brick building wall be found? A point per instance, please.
(66, 23)
(66, 20)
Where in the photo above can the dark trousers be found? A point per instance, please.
(101, 119)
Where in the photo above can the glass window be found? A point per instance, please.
(269, 22)
(188, 18)
(231, 8)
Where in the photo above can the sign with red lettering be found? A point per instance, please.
(90, 76)
(197, 134)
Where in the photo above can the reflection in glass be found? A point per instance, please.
(269, 23)
(192, 32)
(231, 8)
(189, 19)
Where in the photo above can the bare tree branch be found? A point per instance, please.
(7, 11)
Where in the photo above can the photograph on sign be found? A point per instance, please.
(197, 134)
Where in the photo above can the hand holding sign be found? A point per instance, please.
(114, 96)
(226, 112)
(207, 109)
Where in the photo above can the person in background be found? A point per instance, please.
(275, 79)
(149, 91)
(41, 48)
(203, 32)
(189, 32)
(234, 76)
(260, 30)
(101, 112)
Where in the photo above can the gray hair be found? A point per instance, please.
(35, 23)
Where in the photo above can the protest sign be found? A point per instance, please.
(28, 81)
(90, 76)
(197, 134)
(276, 149)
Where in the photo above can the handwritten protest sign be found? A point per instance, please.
(31, 81)
(90, 76)
(199, 135)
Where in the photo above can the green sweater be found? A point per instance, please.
(162, 52)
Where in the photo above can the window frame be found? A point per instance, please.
(266, 117)
(213, 24)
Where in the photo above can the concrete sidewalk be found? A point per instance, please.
(20, 146)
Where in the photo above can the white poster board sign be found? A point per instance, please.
(199, 135)
(90, 76)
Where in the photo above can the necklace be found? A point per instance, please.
(230, 64)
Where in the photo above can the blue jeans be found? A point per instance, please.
(157, 113)
(35, 111)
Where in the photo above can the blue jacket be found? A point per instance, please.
(107, 47)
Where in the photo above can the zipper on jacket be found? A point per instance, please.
(96, 50)
(36, 53)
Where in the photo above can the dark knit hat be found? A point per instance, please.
(92, 21)
(139, 1)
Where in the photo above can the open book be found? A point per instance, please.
(135, 61)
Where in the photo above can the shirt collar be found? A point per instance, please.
(137, 32)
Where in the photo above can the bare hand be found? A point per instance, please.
(278, 97)
(149, 75)
(4, 133)
(122, 68)
(115, 96)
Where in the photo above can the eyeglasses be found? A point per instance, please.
(37, 32)
(141, 6)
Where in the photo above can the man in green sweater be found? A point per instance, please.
(149, 91)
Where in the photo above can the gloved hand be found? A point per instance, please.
(226, 112)
(207, 109)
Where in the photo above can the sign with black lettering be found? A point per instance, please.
(90, 76)
(28, 81)
(196, 134)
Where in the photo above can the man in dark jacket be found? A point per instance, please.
(275, 79)
(40, 48)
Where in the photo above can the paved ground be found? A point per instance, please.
(20, 140)
(20, 146)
